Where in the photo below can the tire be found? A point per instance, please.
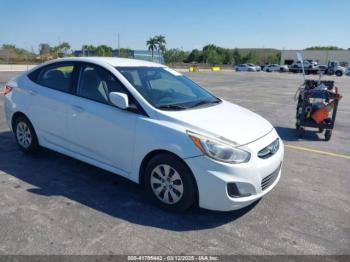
(328, 135)
(170, 183)
(338, 73)
(25, 135)
(300, 131)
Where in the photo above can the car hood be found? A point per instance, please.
(224, 120)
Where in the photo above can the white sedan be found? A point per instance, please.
(257, 68)
(275, 68)
(245, 68)
(150, 124)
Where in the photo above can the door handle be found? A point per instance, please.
(78, 108)
(33, 93)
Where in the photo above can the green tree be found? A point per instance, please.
(14, 54)
(152, 45)
(207, 50)
(236, 57)
(274, 58)
(324, 48)
(64, 48)
(44, 49)
(228, 56)
(8, 47)
(124, 52)
(213, 57)
(161, 42)
(175, 55)
(87, 49)
(104, 50)
(195, 56)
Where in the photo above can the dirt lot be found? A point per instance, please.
(52, 204)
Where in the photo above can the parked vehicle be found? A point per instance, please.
(272, 68)
(150, 124)
(307, 64)
(347, 72)
(284, 68)
(332, 68)
(257, 68)
(245, 67)
(322, 67)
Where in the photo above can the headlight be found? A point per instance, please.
(219, 150)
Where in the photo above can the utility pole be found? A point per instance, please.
(118, 45)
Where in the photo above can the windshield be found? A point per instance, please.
(167, 89)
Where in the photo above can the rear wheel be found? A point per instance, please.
(25, 135)
(170, 183)
(328, 135)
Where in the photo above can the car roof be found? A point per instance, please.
(113, 61)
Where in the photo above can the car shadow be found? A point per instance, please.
(289, 134)
(53, 174)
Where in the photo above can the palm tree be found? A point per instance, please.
(64, 47)
(152, 45)
(161, 42)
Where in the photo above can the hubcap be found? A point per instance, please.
(167, 184)
(24, 137)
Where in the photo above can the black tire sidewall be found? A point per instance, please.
(338, 73)
(34, 142)
(190, 190)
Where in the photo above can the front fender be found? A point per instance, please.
(152, 135)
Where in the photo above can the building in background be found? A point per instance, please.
(322, 57)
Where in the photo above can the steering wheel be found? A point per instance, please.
(168, 93)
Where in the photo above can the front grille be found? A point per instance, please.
(268, 180)
(270, 150)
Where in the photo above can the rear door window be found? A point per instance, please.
(57, 77)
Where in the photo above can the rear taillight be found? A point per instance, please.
(7, 89)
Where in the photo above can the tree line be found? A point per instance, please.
(209, 54)
(215, 55)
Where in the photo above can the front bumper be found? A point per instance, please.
(212, 177)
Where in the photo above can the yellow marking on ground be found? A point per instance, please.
(317, 151)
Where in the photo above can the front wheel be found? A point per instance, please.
(338, 73)
(328, 135)
(170, 183)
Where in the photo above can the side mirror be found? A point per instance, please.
(119, 100)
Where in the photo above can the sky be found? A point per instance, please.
(186, 24)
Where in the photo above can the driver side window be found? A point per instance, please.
(96, 83)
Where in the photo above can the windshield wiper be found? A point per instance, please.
(172, 107)
(204, 102)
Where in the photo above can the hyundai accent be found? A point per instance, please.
(150, 124)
